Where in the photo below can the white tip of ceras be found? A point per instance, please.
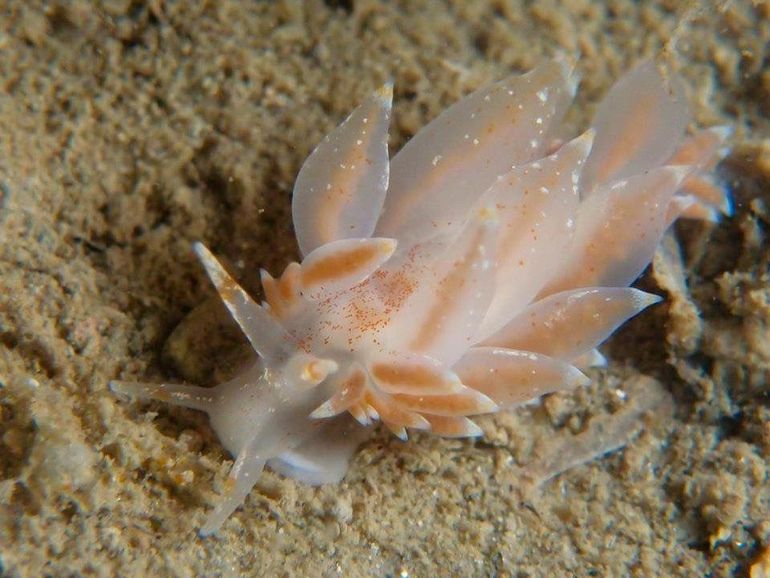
(324, 410)
(265, 276)
(485, 404)
(723, 132)
(472, 430)
(593, 358)
(642, 299)
(576, 378)
(678, 173)
(386, 248)
(573, 154)
(568, 65)
(726, 206)
(586, 141)
(213, 268)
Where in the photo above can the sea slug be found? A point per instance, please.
(472, 273)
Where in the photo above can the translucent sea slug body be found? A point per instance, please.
(470, 274)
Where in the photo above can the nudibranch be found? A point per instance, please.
(474, 272)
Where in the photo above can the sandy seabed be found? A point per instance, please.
(130, 129)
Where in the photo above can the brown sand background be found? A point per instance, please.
(129, 129)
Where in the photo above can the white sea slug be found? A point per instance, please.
(469, 274)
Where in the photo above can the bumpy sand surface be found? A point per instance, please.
(129, 129)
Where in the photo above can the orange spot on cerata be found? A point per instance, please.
(466, 402)
(273, 296)
(417, 376)
(339, 265)
(289, 284)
